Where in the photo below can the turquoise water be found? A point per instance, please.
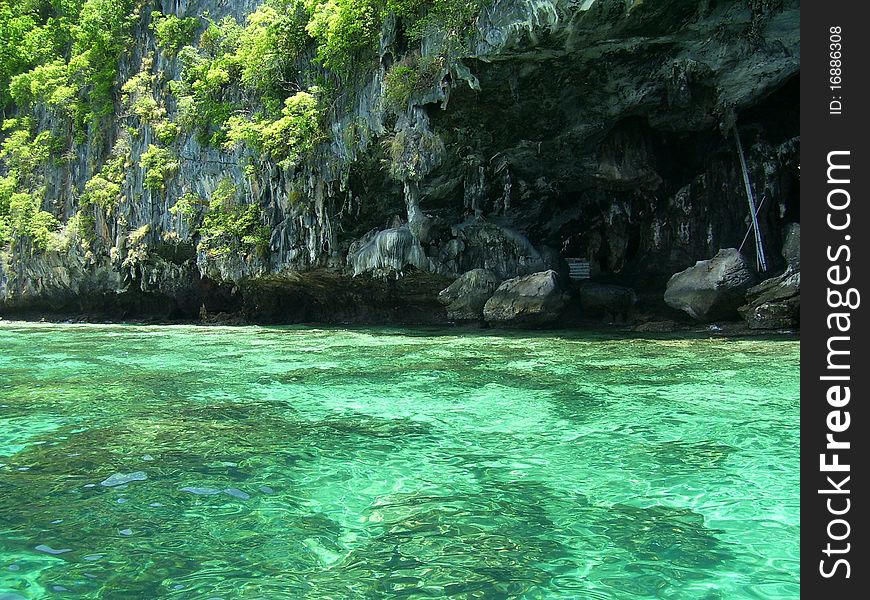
(208, 462)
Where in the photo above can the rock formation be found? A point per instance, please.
(712, 289)
(530, 300)
(774, 303)
(550, 129)
(466, 297)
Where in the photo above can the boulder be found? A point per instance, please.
(791, 246)
(466, 297)
(712, 289)
(534, 299)
(774, 303)
(604, 300)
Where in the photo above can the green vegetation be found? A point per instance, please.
(267, 85)
(160, 165)
(345, 30)
(404, 79)
(104, 189)
(20, 198)
(229, 225)
(286, 139)
(173, 32)
(186, 206)
(138, 95)
(82, 226)
(137, 236)
(269, 47)
(24, 216)
(63, 53)
(204, 101)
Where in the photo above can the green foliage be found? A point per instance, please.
(206, 74)
(454, 20)
(138, 94)
(48, 83)
(83, 226)
(405, 79)
(101, 192)
(286, 139)
(5, 230)
(160, 165)
(63, 53)
(220, 37)
(21, 151)
(408, 9)
(166, 131)
(26, 40)
(186, 206)
(269, 45)
(173, 32)
(104, 189)
(138, 235)
(100, 36)
(228, 223)
(26, 217)
(345, 30)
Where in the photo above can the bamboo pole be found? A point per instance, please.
(753, 212)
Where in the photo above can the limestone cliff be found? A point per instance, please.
(550, 129)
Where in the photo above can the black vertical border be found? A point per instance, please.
(821, 133)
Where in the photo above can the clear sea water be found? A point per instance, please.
(209, 462)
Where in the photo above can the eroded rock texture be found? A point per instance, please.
(530, 300)
(712, 289)
(598, 129)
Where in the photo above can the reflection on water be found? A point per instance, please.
(185, 462)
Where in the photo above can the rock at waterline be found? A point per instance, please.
(466, 297)
(604, 300)
(122, 478)
(775, 303)
(712, 289)
(535, 299)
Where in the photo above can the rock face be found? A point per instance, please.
(791, 246)
(466, 297)
(531, 300)
(594, 127)
(774, 303)
(608, 301)
(712, 289)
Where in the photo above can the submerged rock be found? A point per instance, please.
(123, 478)
(535, 299)
(237, 493)
(712, 289)
(466, 297)
(52, 551)
(775, 303)
(201, 491)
